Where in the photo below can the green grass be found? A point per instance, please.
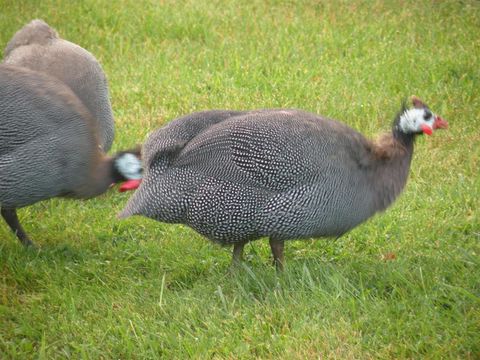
(103, 288)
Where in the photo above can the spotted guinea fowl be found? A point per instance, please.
(284, 174)
(49, 146)
(38, 47)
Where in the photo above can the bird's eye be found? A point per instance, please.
(427, 115)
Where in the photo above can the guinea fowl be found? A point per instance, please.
(236, 176)
(49, 146)
(38, 47)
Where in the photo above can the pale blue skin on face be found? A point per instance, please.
(129, 166)
(414, 120)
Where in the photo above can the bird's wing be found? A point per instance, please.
(165, 143)
(273, 150)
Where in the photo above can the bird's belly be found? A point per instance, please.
(224, 212)
(308, 212)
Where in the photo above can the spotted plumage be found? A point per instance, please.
(283, 174)
(38, 47)
(49, 145)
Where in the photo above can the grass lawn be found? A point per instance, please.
(137, 289)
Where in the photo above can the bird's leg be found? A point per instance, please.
(10, 216)
(237, 253)
(277, 252)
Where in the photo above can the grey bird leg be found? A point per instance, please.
(237, 253)
(277, 252)
(10, 216)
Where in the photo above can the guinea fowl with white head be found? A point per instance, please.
(49, 146)
(236, 176)
(38, 47)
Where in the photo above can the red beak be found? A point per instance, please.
(129, 185)
(439, 123)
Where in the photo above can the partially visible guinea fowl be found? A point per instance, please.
(38, 47)
(284, 174)
(49, 146)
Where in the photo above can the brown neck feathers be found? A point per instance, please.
(387, 147)
(392, 157)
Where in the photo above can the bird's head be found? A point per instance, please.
(419, 119)
(128, 168)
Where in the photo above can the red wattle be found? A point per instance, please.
(129, 185)
(426, 129)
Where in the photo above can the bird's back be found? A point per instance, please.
(48, 138)
(38, 47)
(272, 149)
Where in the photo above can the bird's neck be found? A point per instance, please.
(393, 153)
(102, 175)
